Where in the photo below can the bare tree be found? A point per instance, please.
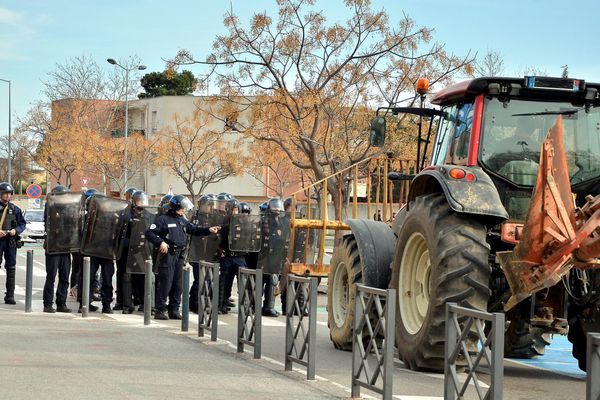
(311, 86)
(198, 153)
(492, 64)
(81, 100)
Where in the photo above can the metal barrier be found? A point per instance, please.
(490, 348)
(85, 290)
(29, 281)
(250, 292)
(208, 299)
(302, 302)
(374, 320)
(593, 367)
(148, 292)
(185, 299)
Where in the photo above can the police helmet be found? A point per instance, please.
(139, 199)
(88, 200)
(263, 207)
(207, 203)
(179, 202)
(6, 187)
(129, 192)
(90, 192)
(60, 189)
(234, 203)
(223, 202)
(287, 204)
(275, 205)
(165, 200)
(245, 208)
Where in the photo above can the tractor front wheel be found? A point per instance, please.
(441, 257)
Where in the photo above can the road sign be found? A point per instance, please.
(84, 181)
(34, 191)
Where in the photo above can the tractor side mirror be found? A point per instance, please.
(377, 132)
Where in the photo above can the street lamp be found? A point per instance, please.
(137, 67)
(9, 136)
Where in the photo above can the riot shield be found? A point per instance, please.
(206, 248)
(304, 245)
(105, 227)
(64, 222)
(245, 233)
(275, 242)
(140, 249)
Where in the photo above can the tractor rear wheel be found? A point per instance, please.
(441, 257)
(345, 273)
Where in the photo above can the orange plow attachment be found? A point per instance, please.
(556, 235)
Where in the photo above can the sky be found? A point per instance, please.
(35, 35)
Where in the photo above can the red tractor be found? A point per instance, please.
(505, 217)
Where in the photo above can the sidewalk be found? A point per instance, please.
(51, 356)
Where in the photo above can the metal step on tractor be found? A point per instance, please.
(501, 211)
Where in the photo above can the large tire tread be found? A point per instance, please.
(521, 340)
(459, 255)
(347, 252)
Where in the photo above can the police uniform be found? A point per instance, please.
(173, 230)
(229, 265)
(13, 219)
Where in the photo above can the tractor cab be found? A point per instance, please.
(499, 124)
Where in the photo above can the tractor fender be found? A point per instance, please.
(376, 243)
(476, 197)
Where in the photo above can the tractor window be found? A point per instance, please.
(513, 133)
(453, 138)
(462, 134)
(444, 137)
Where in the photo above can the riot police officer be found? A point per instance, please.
(12, 224)
(169, 234)
(230, 261)
(122, 262)
(106, 268)
(205, 207)
(56, 263)
(77, 259)
(130, 286)
(274, 206)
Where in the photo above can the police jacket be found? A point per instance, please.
(173, 230)
(13, 220)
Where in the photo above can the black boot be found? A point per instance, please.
(63, 308)
(174, 314)
(161, 314)
(222, 301)
(10, 286)
(268, 309)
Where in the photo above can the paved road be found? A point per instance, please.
(550, 377)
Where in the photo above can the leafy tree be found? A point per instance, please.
(311, 85)
(167, 83)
